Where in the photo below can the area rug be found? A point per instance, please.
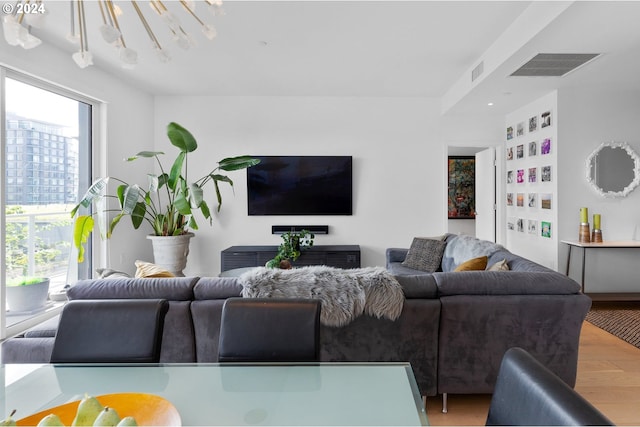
(624, 324)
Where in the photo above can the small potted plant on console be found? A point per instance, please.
(291, 248)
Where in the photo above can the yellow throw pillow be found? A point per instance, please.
(147, 269)
(479, 263)
(499, 266)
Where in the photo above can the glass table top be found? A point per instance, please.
(232, 394)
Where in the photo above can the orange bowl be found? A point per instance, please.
(147, 409)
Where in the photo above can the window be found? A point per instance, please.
(37, 235)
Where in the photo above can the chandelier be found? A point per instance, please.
(21, 16)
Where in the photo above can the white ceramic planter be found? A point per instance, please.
(28, 297)
(170, 252)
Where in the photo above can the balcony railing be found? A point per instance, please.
(39, 244)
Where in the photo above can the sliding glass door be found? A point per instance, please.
(46, 142)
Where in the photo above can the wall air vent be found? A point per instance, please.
(553, 64)
(475, 73)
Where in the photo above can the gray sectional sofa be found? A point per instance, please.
(483, 313)
(454, 327)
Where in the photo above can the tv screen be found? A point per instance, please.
(300, 185)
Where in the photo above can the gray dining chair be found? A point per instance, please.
(527, 393)
(269, 330)
(110, 331)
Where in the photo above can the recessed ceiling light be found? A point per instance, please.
(490, 104)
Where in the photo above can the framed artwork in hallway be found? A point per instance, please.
(461, 193)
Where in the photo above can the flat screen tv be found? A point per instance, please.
(300, 185)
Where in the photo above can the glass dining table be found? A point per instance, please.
(232, 394)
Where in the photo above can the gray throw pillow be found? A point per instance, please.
(425, 254)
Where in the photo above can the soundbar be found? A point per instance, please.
(315, 229)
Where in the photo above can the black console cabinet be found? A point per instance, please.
(340, 256)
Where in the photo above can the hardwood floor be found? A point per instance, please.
(608, 377)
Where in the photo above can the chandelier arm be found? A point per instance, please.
(21, 18)
(184, 4)
(84, 44)
(112, 13)
(152, 36)
(71, 20)
(104, 17)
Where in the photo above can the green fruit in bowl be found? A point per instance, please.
(50, 420)
(107, 418)
(88, 410)
(128, 422)
(9, 421)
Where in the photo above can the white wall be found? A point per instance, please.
(590, 116)
(128, 114)
(542, 250)
(398, 166)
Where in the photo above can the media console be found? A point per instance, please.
(340, 256)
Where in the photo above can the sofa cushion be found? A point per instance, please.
(416, 286)
(209, 288)
(479, 263)
(425, 254)
(48, 328)
(172, 289)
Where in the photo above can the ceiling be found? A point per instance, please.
(360, 48)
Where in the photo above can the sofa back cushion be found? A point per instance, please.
(172, 289)
(209, 288)
(178, 344)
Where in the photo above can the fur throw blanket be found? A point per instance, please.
(345, 294)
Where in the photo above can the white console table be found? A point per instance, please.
(614, 244)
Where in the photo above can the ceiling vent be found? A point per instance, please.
(553, 64)
(475, 73)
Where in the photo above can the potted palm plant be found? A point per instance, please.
(167, 203)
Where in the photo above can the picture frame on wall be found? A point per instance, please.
(533, 175)
(545, 229)
(545, 201)
(509, 177)
(509, 153)
(509, 199)
(532, 226)
(545, 174)
(546, 119)
(520, 176)
(520, 199)
(533, 148)
(509, 132)
(461, 203)
(520, 151)
(520, 129)
(533, 124)
(532, 200)
(545, 147)
(520, 225)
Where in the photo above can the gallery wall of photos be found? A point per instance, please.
(529, 168)
(530, 161)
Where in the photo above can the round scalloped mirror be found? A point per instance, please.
(613, 169)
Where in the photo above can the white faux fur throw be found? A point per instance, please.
(345, 294)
